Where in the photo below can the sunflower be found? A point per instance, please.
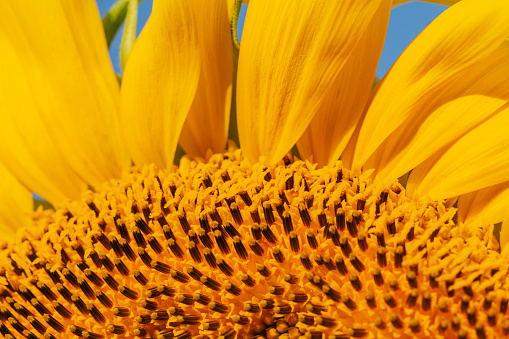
(253, 241)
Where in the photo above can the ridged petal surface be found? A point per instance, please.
(477, 160)
(443, 63)
(328, 133)
(160, 82)
(206, 125)
(291, 55)
(484, 206)
(60, 80)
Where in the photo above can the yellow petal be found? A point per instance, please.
(334, 123)
(482, 90)
(28, 150)
(485, 206)
(291, 55)
(160, 82)
(348, 152)
(434, 69)
(206, 126)
(15, 206)
(415, 141)
(477, 160)
(61, 57)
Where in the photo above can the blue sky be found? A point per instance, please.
(406, 22)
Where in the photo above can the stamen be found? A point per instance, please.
(377, 275)
(340, 264)
(104, 299)
(179, 276)
(370, 300)
(64, 292)
(268, 234)
(175, 248)
(311, 239)
(381, 258)
(268, 213)
(122, 229)
(278, 255)
(304, 259)
(287, 222)
(85, 287)
(154, 244)
(221, 242)
(256, 231)
(224, 267)
(398, 258)
(116, 329)
(140, 277)
(340, 219)
(239, 248)
(304, 215)
(128, 251)
(356, 283)
(96, 314)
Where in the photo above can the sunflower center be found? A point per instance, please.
(223, 249)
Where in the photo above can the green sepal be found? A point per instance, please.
(235, 22)
(375, 82)
(129, 35)
(114, 19)
(233, 132)
(45, 204)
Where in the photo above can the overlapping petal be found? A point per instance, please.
(290, 58)
(206, 125)
(328, 133)
(160, 82)
(442, 64)
(54, 54)
(477, 160)
(484, 206)
(422, 139)
(482, 91)
(28, 150)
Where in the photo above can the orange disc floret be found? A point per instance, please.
(222, 249)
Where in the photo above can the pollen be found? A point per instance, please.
(223, 249)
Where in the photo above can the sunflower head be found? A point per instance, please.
(253, 241)
(224, 249)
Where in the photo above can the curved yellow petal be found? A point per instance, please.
(334, 123)
(348, 152)
(28, 150)
(434, 69)
(484, 206)
(159, 83)
(483, 89)
(477, 160)
(415, 141)
(206, 126)
(61, 56)
(291, 55)
(420, 172)
(15, 206)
